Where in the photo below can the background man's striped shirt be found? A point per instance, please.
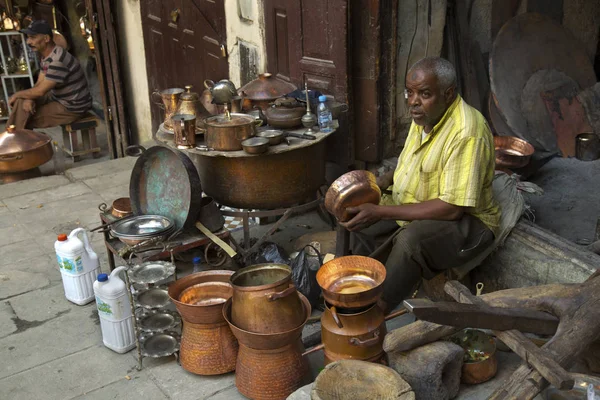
(71, 88)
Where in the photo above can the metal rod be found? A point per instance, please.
(395, 314)
(313, 349)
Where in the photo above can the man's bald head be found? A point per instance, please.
(441, 68)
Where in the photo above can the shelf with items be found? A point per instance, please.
(16, 74)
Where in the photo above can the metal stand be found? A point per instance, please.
(285, 213)
(6, 75)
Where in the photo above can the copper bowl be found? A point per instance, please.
(267, 341)
(351, 281)
(512, 152)
(474, 341)
(207, 311)
(350, 190)
(121, 207)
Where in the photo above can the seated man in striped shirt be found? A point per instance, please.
(441, 208)
(61, 93)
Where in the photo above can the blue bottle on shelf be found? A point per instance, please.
(325, 119)
(197, 261)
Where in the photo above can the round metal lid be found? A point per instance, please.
(21, 140)
(266, 87)
(152, 298)
(159, 344)
(151, 272)
(158, 320)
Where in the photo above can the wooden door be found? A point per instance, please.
(185, 44)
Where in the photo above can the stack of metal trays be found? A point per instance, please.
(137, 229)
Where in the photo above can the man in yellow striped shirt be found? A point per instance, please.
(441, 190)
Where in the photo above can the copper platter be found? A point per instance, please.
(350, 190)
(351, 281)
(512, 152)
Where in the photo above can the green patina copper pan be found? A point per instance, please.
(165, 182)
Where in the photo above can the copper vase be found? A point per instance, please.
(208, 349)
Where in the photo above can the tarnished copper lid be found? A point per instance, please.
(236, 120)
(14, 140)
(266, 87)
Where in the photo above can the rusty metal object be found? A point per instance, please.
(351, 281)
(264, 299)
(350, 190)
(208, 312)
(263, 90)
(256, 145)
(358, 335)
(227, 134)
(512, 152)
(208, 349)
(184, 129)
(267, 341)
(22, 149)
(165, 182)
(266, 179)
(587, 147)
(169, 100)
(271, 374)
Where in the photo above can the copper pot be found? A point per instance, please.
(264, 300)
(265, 341)
(349, 190)
(358, 335)
(205, 306)
(263, 90)
(284, 113)
(22, 150)
(351, 281)
(271, 374)
(512, 152)
(208, 349)
(120, 208)
(228, 134)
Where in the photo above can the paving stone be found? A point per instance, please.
(182, 385)
(23, 250)
(42, 197)
(111, 194)
(73, 375)
(3, 208)
(39, 343)
(7, 325)
(104, 182)
(13, 234)
(44, 264)
(101, 169)
(8, 220)
(14, 282)
(230, 393)
(32, 185)
(41, 305)
(139, 387)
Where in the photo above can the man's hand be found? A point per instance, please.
(366, 215)
(385, 180)
(29, 106)
(12, 99)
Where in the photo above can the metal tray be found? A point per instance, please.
(159, 344)
(156, 297)
(157, 320)
(142, 226)
(151, 272)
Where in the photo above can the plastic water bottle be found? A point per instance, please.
(325, 119)
(78, 265)
(197, 261)
(114, 310)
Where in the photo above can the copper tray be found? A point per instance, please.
(349, 190)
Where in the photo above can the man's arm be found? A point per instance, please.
(41, 87)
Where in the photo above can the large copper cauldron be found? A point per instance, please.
(22, 150)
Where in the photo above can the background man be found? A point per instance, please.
(61, 93)
(441, 189)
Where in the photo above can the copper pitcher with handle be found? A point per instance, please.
(191, 104)
(168, 100)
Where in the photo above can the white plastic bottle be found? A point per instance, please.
(325, 118)
(78, 265)
(114, 310)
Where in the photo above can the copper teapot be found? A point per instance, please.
(222, 92)
(283, 113)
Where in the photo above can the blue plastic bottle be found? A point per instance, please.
(325, 119)
(197, 261)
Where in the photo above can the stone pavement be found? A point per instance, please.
(51, 348)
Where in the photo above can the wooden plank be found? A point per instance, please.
(483, 316)
(517, 342)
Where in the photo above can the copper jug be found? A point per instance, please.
(190, 104)
(170, 101)
(184, 129)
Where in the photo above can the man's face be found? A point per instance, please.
(426, 100)
(38, 42)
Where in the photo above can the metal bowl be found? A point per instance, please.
(350, 190)
(480, 363)
(255, 145)
(274, 136)
(512, 152)
(142, 227)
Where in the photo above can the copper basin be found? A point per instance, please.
(349, 190)
(512, 152)
(22, 149)
(267, 341)
(206, 302)
(351, 281)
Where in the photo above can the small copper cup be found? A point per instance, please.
(184, 128)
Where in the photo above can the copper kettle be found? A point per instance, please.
(284, 113)
(190, 104)
(222, 92)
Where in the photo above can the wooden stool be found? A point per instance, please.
(87, 126)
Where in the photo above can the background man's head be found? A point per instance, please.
(39, 36)
(430, 88)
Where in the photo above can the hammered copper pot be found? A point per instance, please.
(208, 349)
(225, 134)
(349, 190)
(264, 300)
(358, 335)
